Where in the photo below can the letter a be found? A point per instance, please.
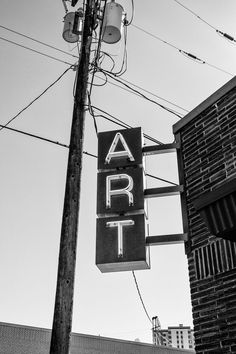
(122, 153)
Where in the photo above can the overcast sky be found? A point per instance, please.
(32, 178)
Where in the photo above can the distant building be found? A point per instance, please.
(18, 339)
(178, 337)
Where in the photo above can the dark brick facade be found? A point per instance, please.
(16, 339)
(207, 159)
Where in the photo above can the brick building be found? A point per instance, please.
(207, 168)
(16, 339)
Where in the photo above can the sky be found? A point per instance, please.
(32, 178)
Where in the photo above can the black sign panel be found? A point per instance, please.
(120, 148)
(120, 191)
(121, 243)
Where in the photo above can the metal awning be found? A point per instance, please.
(218, 210)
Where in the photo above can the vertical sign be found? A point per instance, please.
(121, 222)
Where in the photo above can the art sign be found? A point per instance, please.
(121, 222)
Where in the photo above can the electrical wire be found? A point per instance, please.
(124, 64)
(34, 100)
(44, 139)
(153, 94)
(189, 55)
(132, 15)
(92, 113)
(38, 41)
(140, 296)
(141, 94)
(135, 93)
(34, 136)
(161, 179)
(223, 34)
(36, 51)
(54, 58)
(95, 61)
(121, 123)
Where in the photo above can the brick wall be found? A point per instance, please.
(207, 159)
(17, 339)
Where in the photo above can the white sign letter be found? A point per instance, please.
(120, 224)
(124, 191)
(123, 153)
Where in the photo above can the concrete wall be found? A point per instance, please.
(207, 159)
(16, 339)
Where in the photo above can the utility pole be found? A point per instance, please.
(62, 321)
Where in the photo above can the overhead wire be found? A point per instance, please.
(140, 297)
(62, 61)
(124, 64)
(161, 179)
(223, 34)
(35, 99)
(141, 94)
(36, 51)
(92, 112)
(128, 23)
(43, 139)
(34, 136)
(189, 55)
(38, 41)
(121, 123)
(97, 52)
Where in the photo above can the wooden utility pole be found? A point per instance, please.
(62, 321)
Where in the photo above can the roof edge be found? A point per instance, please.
(205, 104)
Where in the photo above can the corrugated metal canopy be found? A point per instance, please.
(218, 209)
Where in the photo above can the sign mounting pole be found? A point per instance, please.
(62, 320)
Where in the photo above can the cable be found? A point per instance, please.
(41, 94)
(161, 179)
(123, 124)
(98, 49)
(135, 93)
(127, 23)
(34, 136)
(36, 51)
(124, 64)
(153, 94)
(141, 94)
(223, 34)
(44, 139)
(37, 41)
(138, 94)
(140, 296)
(189, 55)
(92, 113)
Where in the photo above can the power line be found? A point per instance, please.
(41, 94)
(36, 51)
(161, 179)
(121, 123)
(38, 41)
(153, 94)
(141, 94)
(223, 34)
(140, 296)
(64, 62)
(189, 55)
(140, 88)
(43, 139)
(34, 136)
